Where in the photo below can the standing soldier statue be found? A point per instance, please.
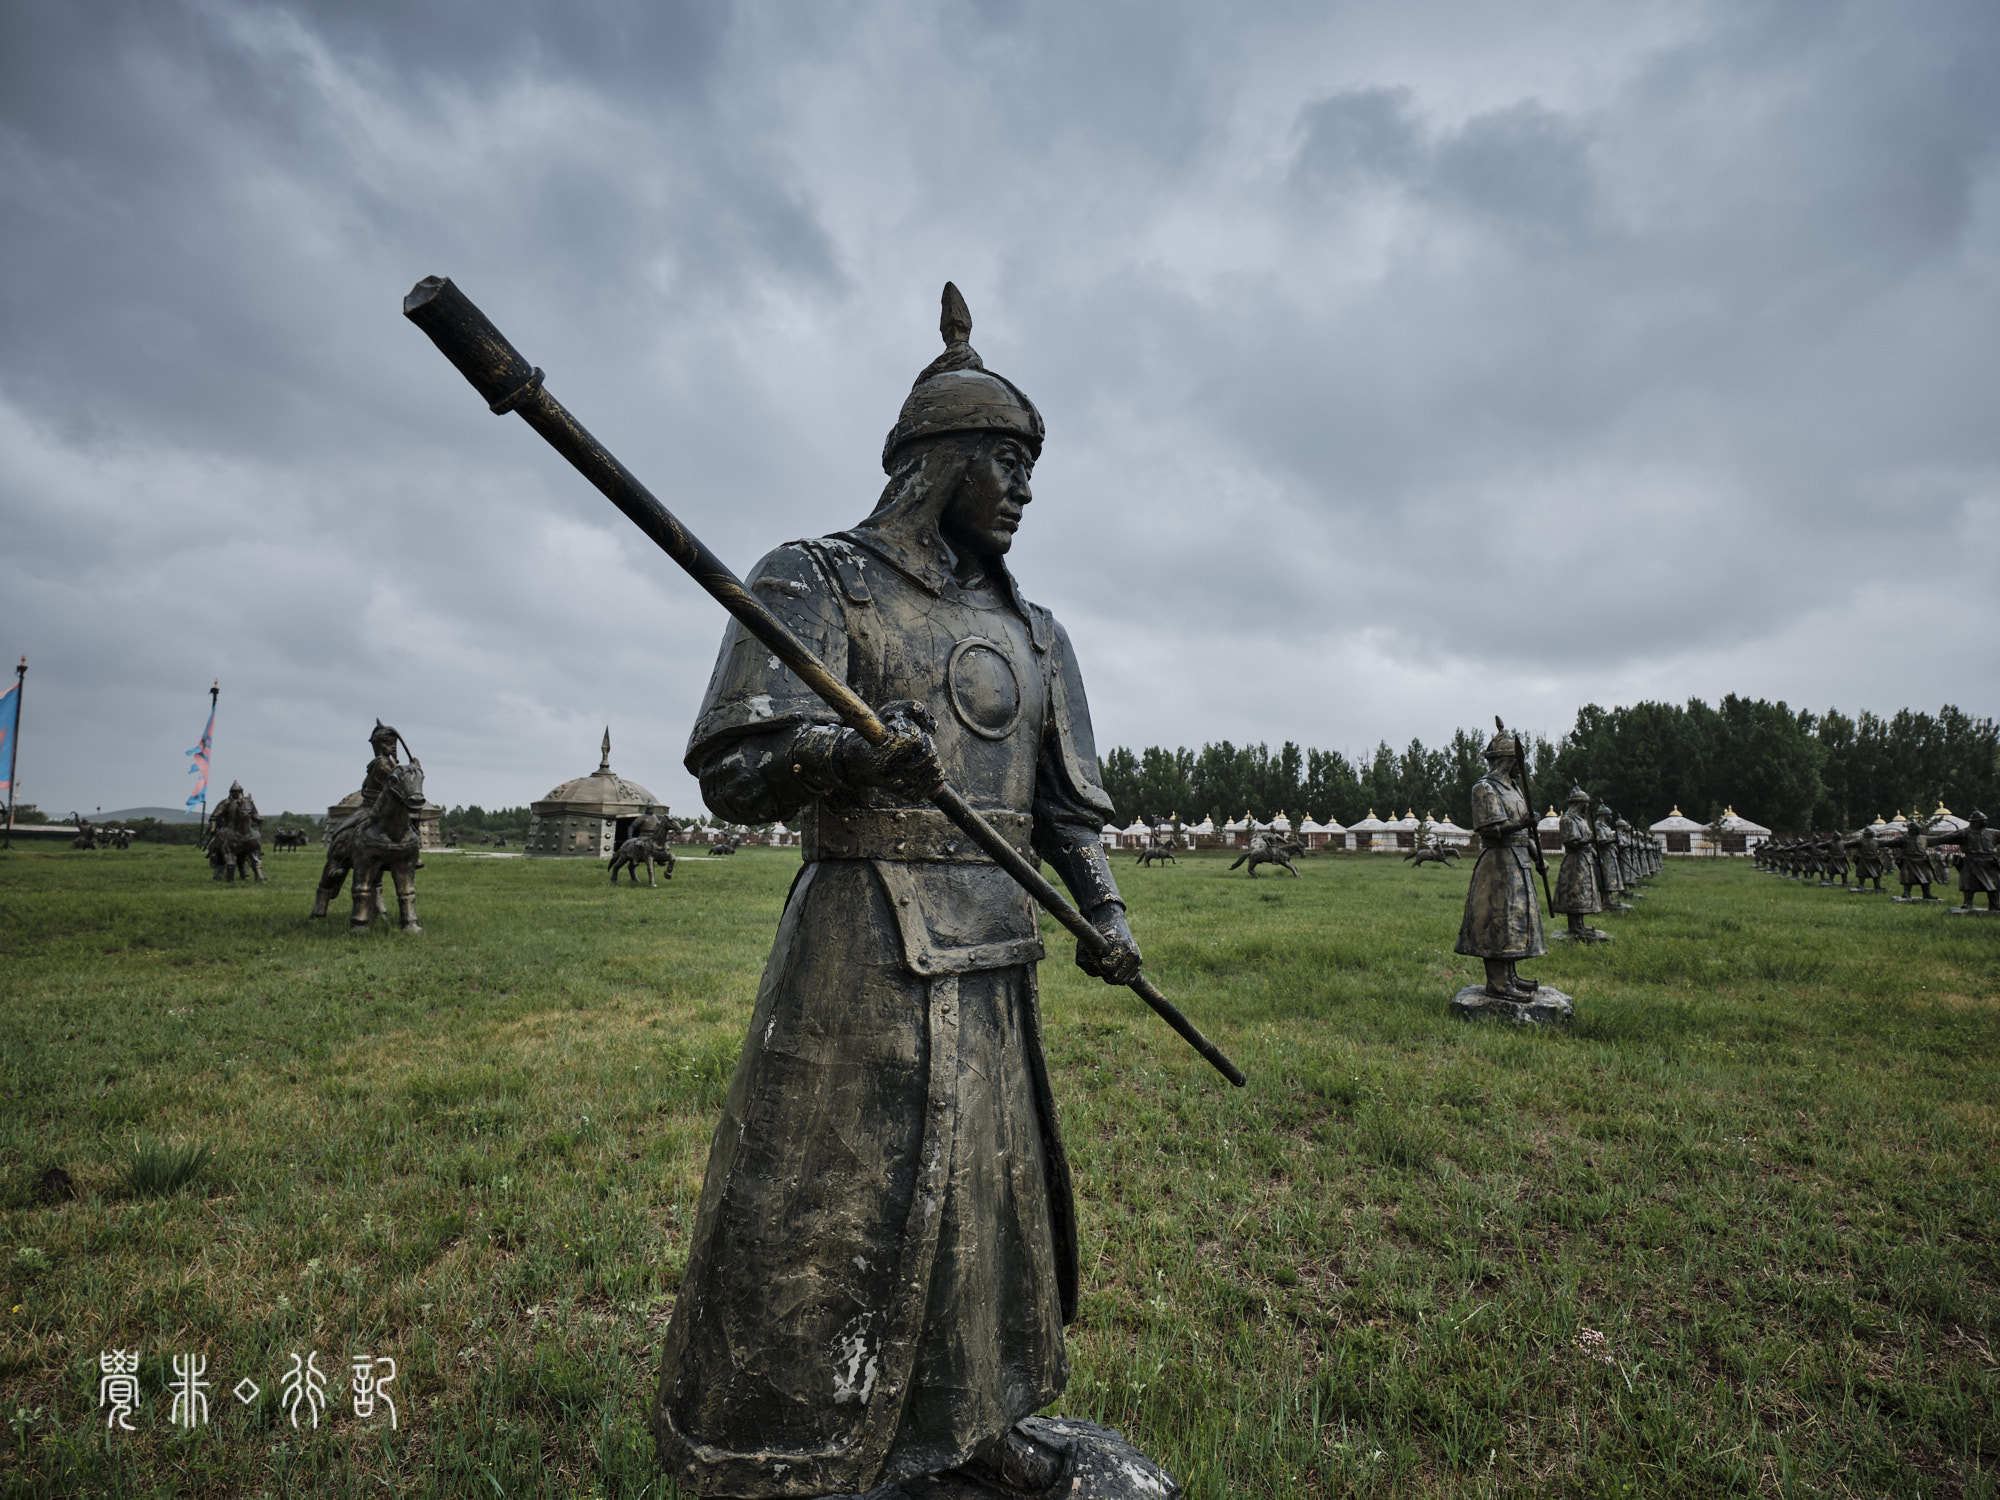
(1577, 893)
(1611, 879)
(1913, 860)
(1978, 864)
(885, 1254)
(1503, 921)
(1871, 862)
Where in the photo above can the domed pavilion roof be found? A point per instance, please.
(603, 790)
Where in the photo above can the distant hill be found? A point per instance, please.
(132, 814)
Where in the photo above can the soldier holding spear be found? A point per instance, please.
(885, 1254)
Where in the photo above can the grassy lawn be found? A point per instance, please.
(1738, 1231)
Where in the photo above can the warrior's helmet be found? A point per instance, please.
(235, 788)
(383, 739)
(1578, 797)
(1978, 819)
(957, 393)
(1504, 742)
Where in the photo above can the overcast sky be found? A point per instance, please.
(1402, 364)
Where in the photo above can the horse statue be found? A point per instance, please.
(1433, 853)
(637, 850)
(724, 845)
(235, 846)
(288, 837)
(381, 836)
(1162, 852)
(86, 832)
(1269, 849)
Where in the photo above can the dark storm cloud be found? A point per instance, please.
(1394, 361)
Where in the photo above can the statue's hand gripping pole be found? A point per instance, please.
(510, 384)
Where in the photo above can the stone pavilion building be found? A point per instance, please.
(588, 818)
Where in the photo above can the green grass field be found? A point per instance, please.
(1738, 1231)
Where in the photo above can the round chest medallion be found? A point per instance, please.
(985, 693)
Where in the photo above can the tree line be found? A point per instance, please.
(1790, 769)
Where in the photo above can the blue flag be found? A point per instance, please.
(200, 766)
(10, 719)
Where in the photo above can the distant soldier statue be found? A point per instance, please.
(236, 824)
(1978, 863)
(1871, 861)
(885, 1253)
(1611, 879)
(1913, 859)
(1503, 921)
(1577, 894)
(379, 837)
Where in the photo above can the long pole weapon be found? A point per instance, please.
(509, 383)
(1534, 833)
(14, 744)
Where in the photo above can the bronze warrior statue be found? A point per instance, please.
(1577, 894)
(885, 1254)
(1913, 860)
(1978, 863)
(379, 836)
(1610, 878)
(1503, 921)
(645, 845)
(234, 836)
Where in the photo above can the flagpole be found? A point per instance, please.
(214, 687)
(14, 746)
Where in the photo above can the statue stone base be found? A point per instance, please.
(1546, 1007)
(1969, 911)
(1920, 900)
(1101, 1466)
(1588, 935)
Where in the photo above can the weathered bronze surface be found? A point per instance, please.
(1503, 921)
(235, 844)
(1270, 849)
(1610, 877)
(465, 336)
(1577, 894)
(381, 836)
(1913, 859)
(885, 1252)
(647, 846)
(1978, 863)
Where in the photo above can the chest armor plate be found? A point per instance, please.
(971, 661)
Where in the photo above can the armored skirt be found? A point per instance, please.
(884, 1250)
(1576, 891)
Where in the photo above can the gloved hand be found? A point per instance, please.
(1119, 963)
(831, 759)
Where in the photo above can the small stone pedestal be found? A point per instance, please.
(1102, 1466)
(1546, 1007)
(1920, 900)
(1969, 911)
(1588, 935)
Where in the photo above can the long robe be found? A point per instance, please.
(1502, 918)
(1979, 859)
(1576, 882)
(885, 1251)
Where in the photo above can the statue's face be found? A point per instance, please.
(984, 514)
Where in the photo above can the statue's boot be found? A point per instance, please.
(1017, 1464)
(407, 909)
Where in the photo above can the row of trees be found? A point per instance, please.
(1791, 769)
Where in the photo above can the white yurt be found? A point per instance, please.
(1447, 832)
(1403, 831)
(1237, 830)
(1364, 835)
(1281, 824)
(1108, 835)
(1740, 834)
(1203, 833)
(781, 837)
(1679, 830)
(1944, 820)
(1548, 829)
(1136, 835)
